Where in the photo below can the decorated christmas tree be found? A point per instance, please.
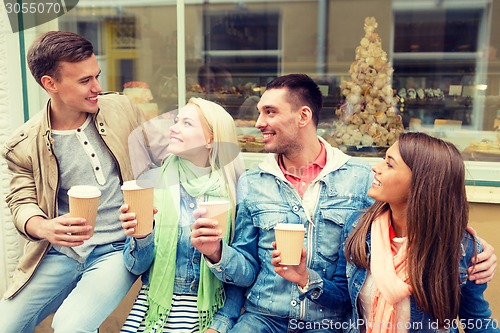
(368, 116)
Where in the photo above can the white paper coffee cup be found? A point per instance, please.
(139, 196)
(289, 241)
(83, 203)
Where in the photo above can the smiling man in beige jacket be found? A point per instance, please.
(79, 138)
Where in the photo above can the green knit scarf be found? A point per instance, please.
(196, 182)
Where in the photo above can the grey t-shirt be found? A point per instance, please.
(84, 159)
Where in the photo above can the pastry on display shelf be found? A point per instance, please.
(141, 95)
(421, 96)
(484, 147)
(251, 143)
(484, 150)
(368, 115)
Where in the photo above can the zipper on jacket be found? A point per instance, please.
(310, 229)
(309, 242)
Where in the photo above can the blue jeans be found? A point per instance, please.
(82, 295)
(251, 322)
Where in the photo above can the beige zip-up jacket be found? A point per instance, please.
(35, 177)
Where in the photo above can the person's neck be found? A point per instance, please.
(200, 161)
(398, 220)
(298, 160)
(65, 121)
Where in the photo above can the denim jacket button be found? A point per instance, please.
(191, 205)
(295, 208)
(293, 303)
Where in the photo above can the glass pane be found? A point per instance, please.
(441, 59)
(135, 45)
(438, 30)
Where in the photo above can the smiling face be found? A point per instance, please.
(77, 87)
(189, 136)
(278, 121)
(392, 179)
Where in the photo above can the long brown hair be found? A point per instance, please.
(437, 215)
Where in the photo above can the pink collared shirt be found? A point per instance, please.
(311, 171)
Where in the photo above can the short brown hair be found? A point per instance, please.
(52, 47)
(302, 90)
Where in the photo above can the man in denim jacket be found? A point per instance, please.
(305, 181)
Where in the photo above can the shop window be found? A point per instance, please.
(438, 64)
(121, 51)
(247, 43)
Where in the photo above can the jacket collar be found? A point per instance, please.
(47, 127)
(335, 159)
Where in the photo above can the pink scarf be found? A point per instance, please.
(389, 271)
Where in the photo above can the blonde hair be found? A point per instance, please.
(225, 155)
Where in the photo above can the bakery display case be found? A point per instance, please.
(422, 66)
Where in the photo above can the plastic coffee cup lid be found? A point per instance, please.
(137, 185)
(84, 191)
(289, 226)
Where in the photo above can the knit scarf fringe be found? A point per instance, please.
(205, 317)
(156, 316)
(211, 294)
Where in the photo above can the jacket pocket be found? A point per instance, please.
(329, 235)
(266, 215)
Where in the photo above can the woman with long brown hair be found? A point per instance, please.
(407, 258)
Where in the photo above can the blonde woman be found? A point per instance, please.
(179, 292)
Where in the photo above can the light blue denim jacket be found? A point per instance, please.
(266, 198)
(139, 255)
(474, 312)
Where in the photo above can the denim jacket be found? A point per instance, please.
(139, 255)
(474, 313)
(266, 198)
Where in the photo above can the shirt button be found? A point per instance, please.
(293, 303)
(295, 208)
(191, 205)
(102, 130)
(303, 183)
